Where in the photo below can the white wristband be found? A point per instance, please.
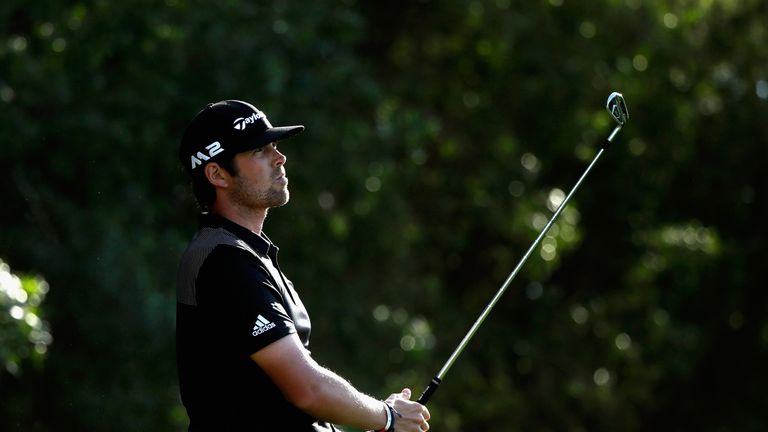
(389, 416)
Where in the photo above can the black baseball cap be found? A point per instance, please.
(223, 129)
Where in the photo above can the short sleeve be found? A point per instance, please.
(238, 296)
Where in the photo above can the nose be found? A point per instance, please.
(280, 158)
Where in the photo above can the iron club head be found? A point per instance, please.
(617, 107)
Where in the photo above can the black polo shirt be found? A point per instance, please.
(232, 301)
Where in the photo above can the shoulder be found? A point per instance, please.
(215, 254)
(208, 239)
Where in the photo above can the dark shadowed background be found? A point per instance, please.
(441, 135)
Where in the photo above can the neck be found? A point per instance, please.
(253, 219)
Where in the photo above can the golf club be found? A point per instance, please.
(618, 109)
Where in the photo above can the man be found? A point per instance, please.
(242, 330)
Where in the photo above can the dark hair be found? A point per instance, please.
(204, 191)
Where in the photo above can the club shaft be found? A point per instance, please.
(448, 364)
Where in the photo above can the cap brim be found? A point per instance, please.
(262, 138)
(280, 133)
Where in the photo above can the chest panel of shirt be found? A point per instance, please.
(218, 232)
(292, 302)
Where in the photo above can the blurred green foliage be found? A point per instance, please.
(440, 136)
(26, 335)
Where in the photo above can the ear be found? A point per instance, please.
(217, 175)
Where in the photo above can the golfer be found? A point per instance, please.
(242, 331)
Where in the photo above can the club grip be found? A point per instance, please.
(431, 388)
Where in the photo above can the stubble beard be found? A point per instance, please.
(247, 196)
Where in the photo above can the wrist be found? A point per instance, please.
(390, 424)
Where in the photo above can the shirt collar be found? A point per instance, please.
(260, 243)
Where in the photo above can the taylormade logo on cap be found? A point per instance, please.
(241, 123)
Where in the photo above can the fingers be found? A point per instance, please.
(412, 416)
(406, 393)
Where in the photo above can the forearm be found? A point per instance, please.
(315, 389)
(334, 399)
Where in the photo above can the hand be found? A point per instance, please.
(410, 416)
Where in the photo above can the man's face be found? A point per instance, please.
(261, 182)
